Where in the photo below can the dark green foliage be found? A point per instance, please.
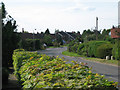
(59, 39)
(10, 38)
(70, 45)
(48, 40)
(3, 11)
(92, 47)
(116, 49)
(80, 50)
(104, 50)
(75, 47)
(47, 31)
(5, 74)
(30, 44)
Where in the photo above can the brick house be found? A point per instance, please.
(115, 33)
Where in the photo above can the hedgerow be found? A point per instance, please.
(41, 71)
(104, 50)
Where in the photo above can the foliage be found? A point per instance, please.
(116, 50)
(52, 72)
(75, 47)
(30, 44)
(48, 40)
(70, 45)
(47, 31)
(80, 49)
(5, 74)
(104, 50)
(10, 38)
(92, 47)
(20, 56)
(59, 39)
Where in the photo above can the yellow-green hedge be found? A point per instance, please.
(41, 71)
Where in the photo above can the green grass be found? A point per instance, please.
(112, 62)
(72, 54)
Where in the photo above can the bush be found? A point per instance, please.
(116, 50)
(104, 50)
(70, 45)
(19, 58)
(74, 47)
(30, 44)
(80, 49)
(52, 72)
(93, 45)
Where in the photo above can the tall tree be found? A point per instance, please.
(10, 37)
(47, 31)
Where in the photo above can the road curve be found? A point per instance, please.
(110, 72)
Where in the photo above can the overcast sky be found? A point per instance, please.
(65, 15)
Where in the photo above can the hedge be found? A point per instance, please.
(81, 49)
(92, 47)
(104, 50)
(116, 50)
(41, 71)
(30, 44)
(20, 57)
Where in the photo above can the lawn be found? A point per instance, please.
(72, 54)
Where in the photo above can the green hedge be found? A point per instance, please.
(81, 49)
(93, 45)
(30, 44)
(20, 57)
(104, 50)
(41, 71)
(116, 49)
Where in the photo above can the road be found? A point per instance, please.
(110, 72)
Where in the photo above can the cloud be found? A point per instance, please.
(80, 7)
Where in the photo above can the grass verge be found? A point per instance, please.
(112, 62)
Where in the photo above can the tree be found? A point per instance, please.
(47, 40)
(10, 37)
(47, 31)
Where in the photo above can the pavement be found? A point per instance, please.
(110, 72)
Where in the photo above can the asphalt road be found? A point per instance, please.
(110, 72)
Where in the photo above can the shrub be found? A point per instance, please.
(74, 47)
(80, 49)
(19, 58)
(92, 47)
(104, 50)
(70, 46)
(30, 44)
(116, 50)
(52, 72)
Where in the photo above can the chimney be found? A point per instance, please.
(96, 28)
(23, 30)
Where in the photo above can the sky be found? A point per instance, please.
(65, 15)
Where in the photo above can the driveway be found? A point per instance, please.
(110, 72)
